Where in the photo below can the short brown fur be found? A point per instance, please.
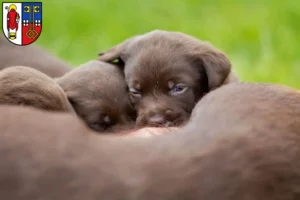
(241, 143)
(160, 62)
(99, 95)
(26, 86)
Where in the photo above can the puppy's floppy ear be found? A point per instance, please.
(112, 55)
(117, 54)
(216, 64)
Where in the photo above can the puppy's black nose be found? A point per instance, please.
(157, 120)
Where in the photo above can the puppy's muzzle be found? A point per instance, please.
(162, 118)
(158, 120)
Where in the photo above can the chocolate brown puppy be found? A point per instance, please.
(33, 56)
(21, 85)
(242, 142)
(98, 93)
(167, 73)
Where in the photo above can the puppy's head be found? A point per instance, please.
(167, 73)
(98, 93)
(26, 86)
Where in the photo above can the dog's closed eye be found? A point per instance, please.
(101, 125)
(135, 92)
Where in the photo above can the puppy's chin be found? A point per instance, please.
(143, 121)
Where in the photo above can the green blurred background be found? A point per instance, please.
(261, 38)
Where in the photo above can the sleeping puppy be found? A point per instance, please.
(33, 56)
(167, 73)
(21, 85)
(242, 142)
(98, 93)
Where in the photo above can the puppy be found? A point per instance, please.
(167, 73)
(32, 56)
(21, 85)
(242, 142)
(98, 93)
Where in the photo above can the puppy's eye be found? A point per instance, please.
(178, 89)
(101, 125)
(134, 92)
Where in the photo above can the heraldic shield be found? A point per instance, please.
(22, 22)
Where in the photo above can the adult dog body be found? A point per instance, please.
(242, 143)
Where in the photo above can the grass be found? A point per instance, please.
(261, 37)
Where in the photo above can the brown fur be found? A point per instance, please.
(158, 63)
(241, 143)
(99, 95)
(26, 86)
(33, 56)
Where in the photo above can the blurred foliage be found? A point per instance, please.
(261, 37)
